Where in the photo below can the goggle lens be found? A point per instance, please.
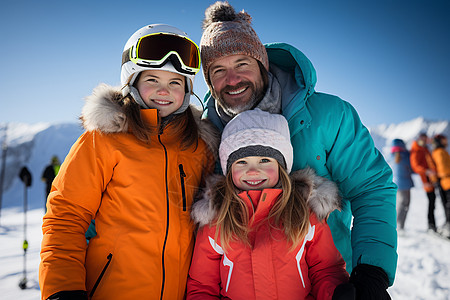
(186, 49)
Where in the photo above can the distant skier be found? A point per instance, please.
(402, 172)
(422, 163)
(48, 175)
(442, 160)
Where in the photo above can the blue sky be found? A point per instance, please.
(389, 59)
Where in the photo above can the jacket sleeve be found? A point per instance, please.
(73, 202)
(204, 274)
(326, 265)
(365, 181)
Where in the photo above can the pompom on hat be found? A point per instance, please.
(256, 133)
(226, 32)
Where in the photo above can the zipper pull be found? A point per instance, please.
(180, 166)
(183, 188)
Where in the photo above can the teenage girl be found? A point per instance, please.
(134, 171)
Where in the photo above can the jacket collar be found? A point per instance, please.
(150, 116)
(416, 147)
(102, 112)
(259, 202)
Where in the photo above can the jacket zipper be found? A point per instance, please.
(251, 202)
(183, 190)
(167, 221)
(109, 257)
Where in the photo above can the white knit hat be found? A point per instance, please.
(256, 133)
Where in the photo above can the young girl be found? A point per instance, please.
(134, 171)
(263, 233)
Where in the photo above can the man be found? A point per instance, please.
(326, 133)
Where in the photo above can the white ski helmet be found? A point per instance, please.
(159, 47)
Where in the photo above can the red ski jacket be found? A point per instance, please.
(267, 269)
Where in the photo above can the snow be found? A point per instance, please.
(423, 271)
(19, 133)
(12, 254)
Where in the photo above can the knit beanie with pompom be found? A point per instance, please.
(226, 32)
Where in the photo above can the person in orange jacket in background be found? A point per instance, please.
(135, 171)
(422, 163)
(442, 159)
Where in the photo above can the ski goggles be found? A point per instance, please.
(155, 49)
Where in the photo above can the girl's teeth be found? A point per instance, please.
(161, 102)
(254, 182)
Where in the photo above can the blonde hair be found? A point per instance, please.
(290, 213)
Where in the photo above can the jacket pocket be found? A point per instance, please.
(97, 282)
(183, 188)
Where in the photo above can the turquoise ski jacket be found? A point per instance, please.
(328, 136)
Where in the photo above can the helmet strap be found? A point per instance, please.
(137, 97)
(187, 98)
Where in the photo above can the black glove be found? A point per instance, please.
(367, 282)
(344, 291)
(69, 295)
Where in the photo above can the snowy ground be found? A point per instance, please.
(423, 271)
(423, 266)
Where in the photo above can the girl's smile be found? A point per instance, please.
(255, 173)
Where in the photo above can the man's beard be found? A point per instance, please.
(257, 94)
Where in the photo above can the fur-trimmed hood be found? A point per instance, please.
(102, 112)
(323, 196)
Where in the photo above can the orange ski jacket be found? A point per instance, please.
(140, 197)
(421, 161)
(442, 160)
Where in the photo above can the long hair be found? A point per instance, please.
(184, 124)
(140, 129)
(290, 213)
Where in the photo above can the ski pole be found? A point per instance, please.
(25, 176)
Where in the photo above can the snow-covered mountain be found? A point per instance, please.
(407, 131)
(33, 145)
